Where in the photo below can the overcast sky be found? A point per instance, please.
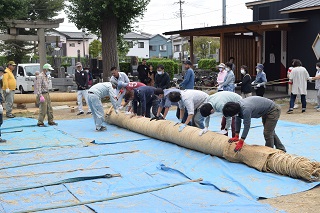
(163, 15)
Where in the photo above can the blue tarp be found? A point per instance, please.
(226, 187)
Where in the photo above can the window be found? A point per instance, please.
(152, 48)
(140, 44)
(177, 48)
(130, 44)
(163, 47)
(72, 44)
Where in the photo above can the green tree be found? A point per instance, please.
(201, 46)
(110, 19)
(25, 10)
(95, 48)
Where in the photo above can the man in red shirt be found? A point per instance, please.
(127, 89)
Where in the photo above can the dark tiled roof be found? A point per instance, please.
(133, 35)
(75, 35)
(302, 4)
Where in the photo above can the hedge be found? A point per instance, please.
(125, 67)
(169, 65)
(207, 64)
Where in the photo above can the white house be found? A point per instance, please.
(73, 43)
(139, 45)
(177, 42)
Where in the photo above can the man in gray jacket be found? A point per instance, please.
(255, 107)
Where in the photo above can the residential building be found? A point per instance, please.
(138, 44)
(160, 46)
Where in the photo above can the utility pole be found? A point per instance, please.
(180, 2)
(224, 7)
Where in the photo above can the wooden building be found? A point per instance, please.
(280, 31)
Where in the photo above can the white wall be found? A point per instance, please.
(78, 45)
(139, 52)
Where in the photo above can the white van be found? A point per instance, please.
(25, 76)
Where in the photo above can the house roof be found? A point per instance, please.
(255, 26)
(258, 2)
(133, 35)
(73, 35)
(303, 5)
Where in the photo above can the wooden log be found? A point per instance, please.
(55, 97)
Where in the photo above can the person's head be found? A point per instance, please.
(318, 66)
(187, 64)
(206, 110)
(159, 93)
(36, 73)
(174, 96)
(129, 95)
(47, 68)
(79, 66)
(121, 85)
(11, 65)
(221, 67)
(231, 59)
(230, 109)
(243, 69)
(114, 83)
(259, 68)
(150, 67)
(296, 63)
(2, 72)
(228, 66)
(160, 69)
(114, 72)
(144, 61)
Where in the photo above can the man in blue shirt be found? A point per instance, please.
(188, 80)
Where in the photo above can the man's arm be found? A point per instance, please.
(246, 125)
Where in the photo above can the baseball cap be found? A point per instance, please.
(47, 67)
(221, 65)
(121, 84)
(12, 63)
(78, 64)
(260, 66)
(188, 62)
(2, 69)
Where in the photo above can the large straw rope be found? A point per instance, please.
(55, 97)
(261, 158)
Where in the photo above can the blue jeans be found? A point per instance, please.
(293, 99)
(198, 119)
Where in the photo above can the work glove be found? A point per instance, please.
(1, 109)
(234, 139)
(128, 113)
(42, 99)
(120, 108)
(179, 122)
(258, 85)
(239, 145)
(7, 90)
(117, 111)
(235, 85)
(252, 83)
(182, 127)
(203, 131)
(223, 132)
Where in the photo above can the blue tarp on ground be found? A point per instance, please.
(226, 187)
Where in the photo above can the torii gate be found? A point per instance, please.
(40, 25)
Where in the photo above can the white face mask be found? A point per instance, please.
(220, 69)
(1, 77)
(258, 70)
(317, 68)
(242, 72)
(227, 69)
(159, 72)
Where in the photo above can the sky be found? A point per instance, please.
(163, 15)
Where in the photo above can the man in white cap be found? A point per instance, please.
(81, 79)
(1, 108)
(115, 78)
(9, 86)
(44, 97)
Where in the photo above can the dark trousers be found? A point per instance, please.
(233, 126)
(269, 123)
(185, 116)
(260, 91)
(151, 104)
(1, 122)
(293, 99)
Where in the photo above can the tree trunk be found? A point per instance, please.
(109, 46)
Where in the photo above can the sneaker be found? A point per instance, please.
(89, 113)
(53, 123)
(303, 110)
(2, 140)
(40, 124)
(80, 113)
(296, 106)
(10, 116)
(290, 111)
(316, 107)
(102, 128)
